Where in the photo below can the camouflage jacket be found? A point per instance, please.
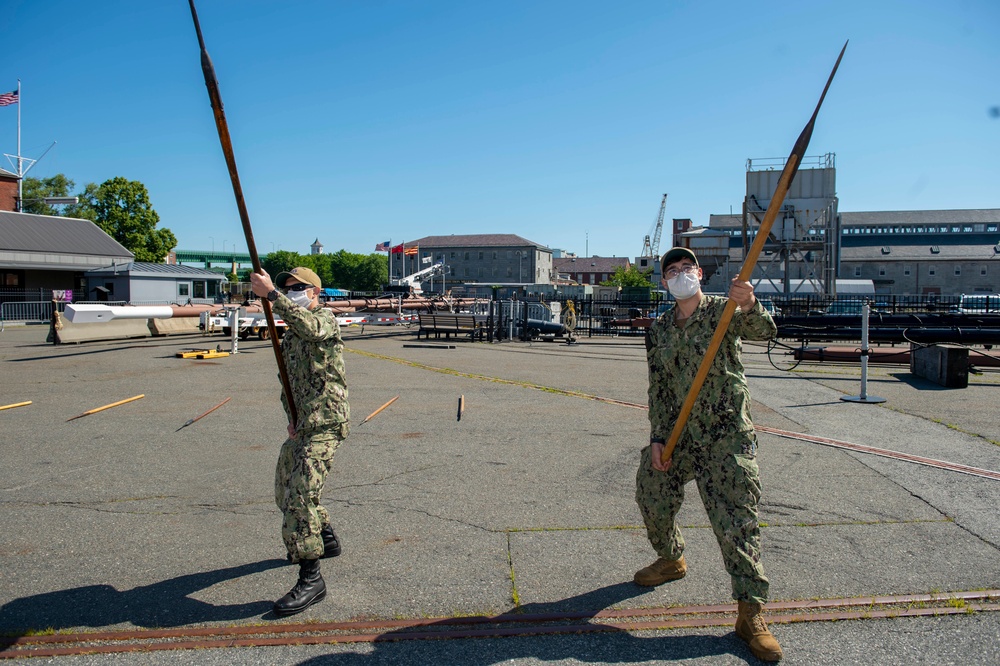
(674, 355)
(313, 350)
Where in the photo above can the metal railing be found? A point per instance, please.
(28, 311)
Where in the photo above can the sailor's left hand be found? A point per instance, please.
(742, 293)
(261, 283)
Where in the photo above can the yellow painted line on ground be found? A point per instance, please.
(498, 380)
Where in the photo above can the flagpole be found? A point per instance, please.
(20, 161)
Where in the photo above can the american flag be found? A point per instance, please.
(6, 99)
(382, 247)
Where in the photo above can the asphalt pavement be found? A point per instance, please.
(520, 515)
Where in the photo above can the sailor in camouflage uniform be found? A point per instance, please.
(717, 448)
(312, 349)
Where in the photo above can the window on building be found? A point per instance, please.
(906, 269)
(982, 271)
(510, 254)
(510, 271)
(992, 227)
(184, 289)
(467, 271)
(931, 271)
(466, 256)
(857, 271)
(980, 228)
(480, 256)
(199, 289)
(958, 270)
(452, 255)
(881, 271)
(967, 228)
(494, 254)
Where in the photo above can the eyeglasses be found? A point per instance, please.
(299, 286)
(674, 272)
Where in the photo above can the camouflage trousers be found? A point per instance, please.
(728, 480)
(303, 464)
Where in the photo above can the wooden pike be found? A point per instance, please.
(16, 404)
(101, 409)
(461, 407)
(227, 149)
(780, 191)
(201, 416)
(373, 414)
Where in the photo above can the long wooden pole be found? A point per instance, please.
(16, 404)
(227, 149)
(787, 174)
(101, 409)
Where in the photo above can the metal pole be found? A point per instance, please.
(865, 352)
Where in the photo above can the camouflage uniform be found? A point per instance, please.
(313, 352)
(717, 446)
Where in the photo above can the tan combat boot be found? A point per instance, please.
(661, 571)
(750, 626)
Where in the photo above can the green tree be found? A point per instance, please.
(121, 208)
(33, 190)
(279, 261)
(371, 273)
(631, 277)
(341, 269)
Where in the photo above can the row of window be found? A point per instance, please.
(908, 270)
(469, 255)
(977, 228)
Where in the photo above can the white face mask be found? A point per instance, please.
(684, 285)
(300, 298)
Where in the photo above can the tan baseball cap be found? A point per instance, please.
(676, 254)
(300, 273)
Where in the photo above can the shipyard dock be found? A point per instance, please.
(509, 535)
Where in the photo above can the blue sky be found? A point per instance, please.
(560, 121)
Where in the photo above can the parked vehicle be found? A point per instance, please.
(979, 304)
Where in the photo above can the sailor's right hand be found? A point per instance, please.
(657, 457)
(261, 283)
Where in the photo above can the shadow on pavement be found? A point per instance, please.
(614, 646)
(161, 605)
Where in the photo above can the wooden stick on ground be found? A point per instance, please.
(461, 407)
(190, 421)
(101, 409)
(372, 415)
(16, 404)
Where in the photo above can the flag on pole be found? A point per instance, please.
(411, 250)
(6, 99)
(382, 247)
(397, 250)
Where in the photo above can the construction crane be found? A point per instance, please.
(652, 249)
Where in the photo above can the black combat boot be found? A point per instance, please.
(309, 590)
(331, 544)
